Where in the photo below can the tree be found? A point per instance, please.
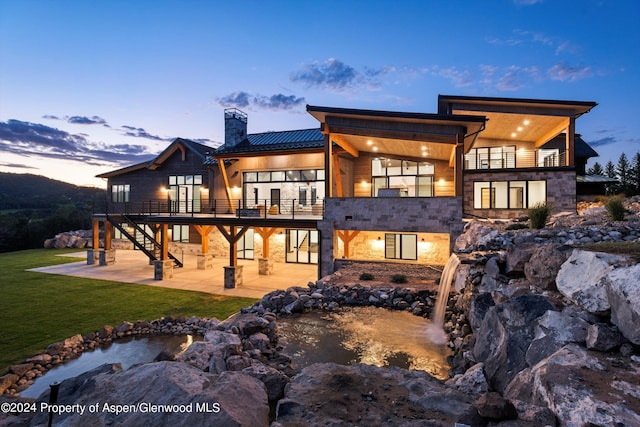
(634, 174)
(610, 171)
(596, 169)
(622, 170)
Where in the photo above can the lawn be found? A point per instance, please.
(37, 309)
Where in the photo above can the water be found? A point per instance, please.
(370, 335)
(126, 351)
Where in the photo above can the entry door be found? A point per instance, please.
(302, 246)
(184, 202)
(275, 198)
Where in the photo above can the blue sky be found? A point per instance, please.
(91, 86)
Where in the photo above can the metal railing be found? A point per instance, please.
(264, 208)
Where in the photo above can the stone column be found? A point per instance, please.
(265, 266)
(107, 257)
(93, 256)
(162, 269)
(205, 261)
(232, 276)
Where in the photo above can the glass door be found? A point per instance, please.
(302, 246)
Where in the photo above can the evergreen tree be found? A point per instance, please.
(634, 173)
(610, 171)
(596, 169)
(624, 177)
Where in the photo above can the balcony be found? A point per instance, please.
(221, 208)
(501, 158)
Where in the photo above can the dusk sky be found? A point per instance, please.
(91, 86)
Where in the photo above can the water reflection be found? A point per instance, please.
(126, 351)
(363, 335)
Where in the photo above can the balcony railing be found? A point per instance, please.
(222, 208)
(516, 160)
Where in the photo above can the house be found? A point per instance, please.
(366, 184)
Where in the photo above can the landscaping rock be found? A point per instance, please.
(623, 292)
(545, 262)
(602, 337)
(554, 329)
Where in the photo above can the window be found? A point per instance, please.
(401, 246)
(302, 196)
(245, 245)
(120, 193)
(491, 158)
(403, 178)
(184, 193)
(508, 194)
(180, 233)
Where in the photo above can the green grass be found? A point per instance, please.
(37, 309)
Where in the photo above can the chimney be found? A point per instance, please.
(235, 127)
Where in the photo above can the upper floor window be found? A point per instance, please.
(395, 177)
(491, 158)
(120, 193)
(508, 194)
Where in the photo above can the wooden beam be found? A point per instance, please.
(458, 166)
(225, 180)
(164, 241)
(328, 178)
(265, 233)
(548, 136)
(570, 147)
(233, 237)
(342, 142)
(347, 236)
(337, 176)
(95, 235)
(107, 235)
(204, 231)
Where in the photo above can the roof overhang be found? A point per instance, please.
(415, 135)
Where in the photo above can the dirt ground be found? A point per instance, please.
(419, 277)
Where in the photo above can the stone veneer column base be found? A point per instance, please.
(232, 276)
(93, 256)
(162, 269)
(265, 266)
(107, 256)
(205, 261)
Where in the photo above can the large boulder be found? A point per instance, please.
(554, 329)
(330, 394)
(517, 257)
(582, 279)
(190, 396)
(623, 293)
(545, 262)
(582, 388)
(476, 234)
(505, 335)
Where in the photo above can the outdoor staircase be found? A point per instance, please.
(141, 239)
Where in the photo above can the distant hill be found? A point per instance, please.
(27, 191)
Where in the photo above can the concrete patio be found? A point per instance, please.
(132, 266)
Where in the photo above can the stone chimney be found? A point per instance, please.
(235, 127)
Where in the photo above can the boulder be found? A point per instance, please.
(476, 234)
(516, 258)
(472, 381)
(582, 388)
(198, 354)
(545, 262)
(505, 335)
(623, 294)
(274, 380)
(602, 337)
(330, 394)
(493, 406)
(192, 396)
(554, 329)
(581, 279)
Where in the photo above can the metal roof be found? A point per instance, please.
(277, 141)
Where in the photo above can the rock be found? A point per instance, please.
(582, 388)
(472, 381)
(478, 308)
(105, 332)
(505, 335)
(545, 262)
(20, 369)
(274, 380)
(492, 405)
(7, 381)
(475, 234)
(198, 354)
(602, 337)
(516, 258)
(232, 398)
(623, 295)
(581, 279)
(124, 327)
(554, 329)
(330, 394)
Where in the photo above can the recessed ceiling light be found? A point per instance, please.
(375, 148)
(519, 128)
(526, 122)
(424, 154)
(369, 142)
(513, 135)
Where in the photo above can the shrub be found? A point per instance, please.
(366, 276)
(539, 214)
(516, 226)
(399, 278)
(615, 208)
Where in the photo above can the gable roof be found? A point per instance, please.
(304, 139)
(178, 144)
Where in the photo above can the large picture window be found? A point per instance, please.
(508, 194)
(401, 246)
(403, 178)
(491, 158)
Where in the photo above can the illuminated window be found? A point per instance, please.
(120, 193)
(508, 194)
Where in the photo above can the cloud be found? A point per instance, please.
(526, 2)
(564, 72)
(16, 165)
(83, 120)
(141, 133)
(51, 117)
(335, 75)
(521, 37)
(603, 141)
(277, 102)
(38, 140)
